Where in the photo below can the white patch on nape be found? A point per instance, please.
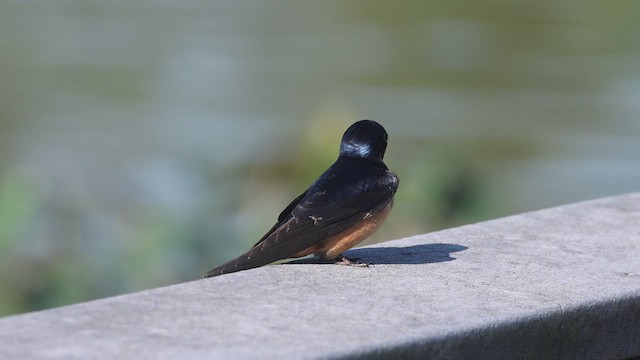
(359, 149)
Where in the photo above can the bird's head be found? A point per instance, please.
(365, 138)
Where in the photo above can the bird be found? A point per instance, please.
(341, 208)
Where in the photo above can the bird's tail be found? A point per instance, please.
(253, 258)
(222, 269)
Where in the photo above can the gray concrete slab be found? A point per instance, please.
(560, 283)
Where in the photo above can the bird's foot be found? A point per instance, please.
(343, 260)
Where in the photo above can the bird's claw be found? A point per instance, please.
(343, 260)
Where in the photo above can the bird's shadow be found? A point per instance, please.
(416, 254)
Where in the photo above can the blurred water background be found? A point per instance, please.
(143, 143)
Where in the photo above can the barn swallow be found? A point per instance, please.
(341, 208)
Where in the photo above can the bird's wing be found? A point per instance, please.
(312, 219)
(283, 217)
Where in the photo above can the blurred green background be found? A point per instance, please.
(143, 143)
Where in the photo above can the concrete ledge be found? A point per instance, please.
(561, 283)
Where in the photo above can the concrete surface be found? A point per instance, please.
(561, 283)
